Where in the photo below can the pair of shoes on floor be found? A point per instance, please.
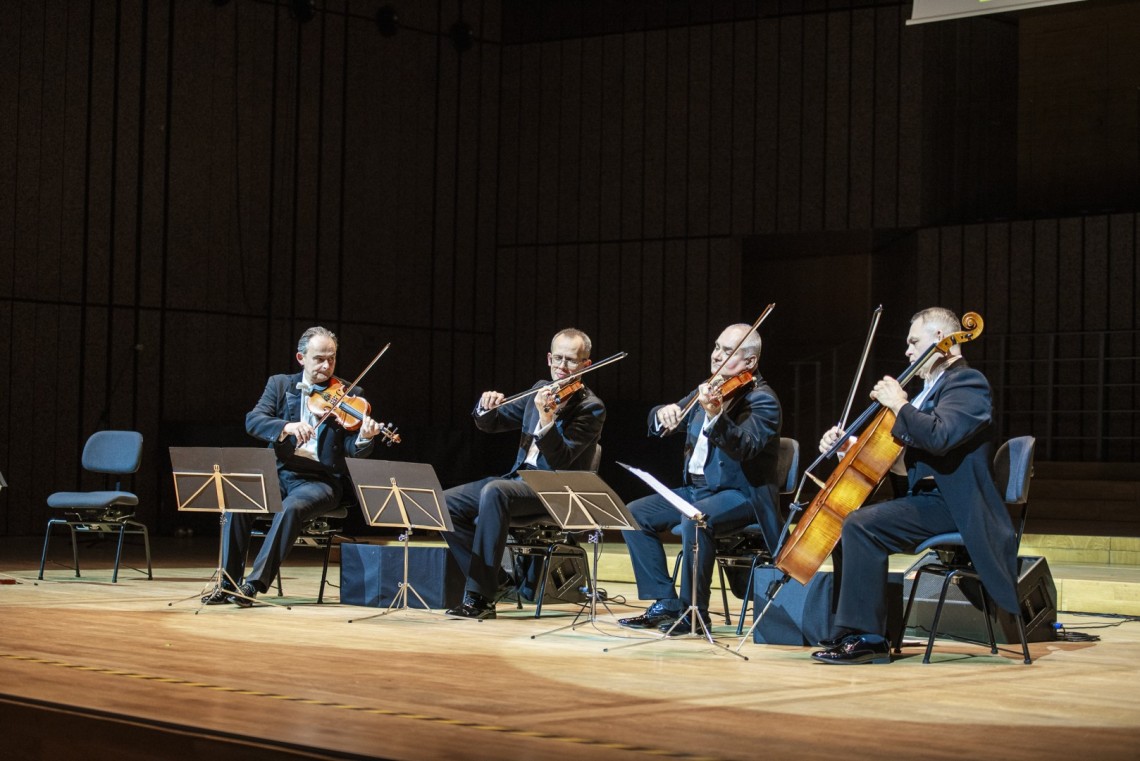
(474, 606)
(685, 625)
(856, 649)
(660, 612)
(219, 596)
(244, 597)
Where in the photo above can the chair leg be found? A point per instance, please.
(74, 549)
(724, 594)
(146, 547)
(118, 552)
(747, 597)
(937, 616)
(989, 623)
(906, 611)
(325, 569)
(47, 540)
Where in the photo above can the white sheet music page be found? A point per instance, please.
(684, 507)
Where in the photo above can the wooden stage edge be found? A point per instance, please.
(139, 670)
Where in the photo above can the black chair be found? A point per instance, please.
(102, 513)
(547, 543)
(746, 547)
(320, 532)
(1013, 470)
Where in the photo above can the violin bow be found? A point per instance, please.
(563, 382)
(349, 388)
(693, 402)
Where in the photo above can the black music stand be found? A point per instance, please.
(578, 500)
(225, 480)
(404, 495)
(692, 513)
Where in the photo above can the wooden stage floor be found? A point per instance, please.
(91, 670)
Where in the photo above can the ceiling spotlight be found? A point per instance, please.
(461, 36)
(387, 20)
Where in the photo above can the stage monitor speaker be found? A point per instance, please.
(567, 575)
(962, 613)
(804, 615)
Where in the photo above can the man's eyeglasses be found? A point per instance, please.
(570, 362)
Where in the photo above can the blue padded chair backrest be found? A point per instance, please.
(787, 469)
(1013, 469)
(113, 452)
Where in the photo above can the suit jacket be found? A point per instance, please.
(743, 452)
(568, 445)
(949, 438)
(280, 404)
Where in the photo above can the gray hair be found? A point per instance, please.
(303, 344)
(751, 345)
(940, 318)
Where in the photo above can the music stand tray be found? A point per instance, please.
(225, 480)
(404, 495)
(579, 500)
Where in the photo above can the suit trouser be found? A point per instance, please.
(726, 511)
(870, 536)
(302, 497)
(481, 513)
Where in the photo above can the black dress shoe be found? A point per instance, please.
(831, 642)
(244, 597)
(685, 626)
(653, 617)
(473, 606)
(856, 649)
(219, 596)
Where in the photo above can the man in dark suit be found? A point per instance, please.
(310, 464)
(732, 450)
(946, 429)
(557, 434)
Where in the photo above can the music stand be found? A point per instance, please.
(225, 480)
(578, 500)
(692, 513)
(404, 495)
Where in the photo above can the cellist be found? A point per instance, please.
(947, 433)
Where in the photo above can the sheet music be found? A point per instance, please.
(684, 507)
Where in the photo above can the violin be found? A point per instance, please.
(565, 391)
(867, 462)
(335, 401)
(728, 385)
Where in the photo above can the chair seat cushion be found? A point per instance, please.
(91, 500)
(940, 540)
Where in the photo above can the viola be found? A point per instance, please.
(866, 464)
(335, 401)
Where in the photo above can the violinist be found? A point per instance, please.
(310, 464)
(946, 429)
(559, 431)
(732, 446)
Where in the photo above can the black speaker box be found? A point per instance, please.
(371, 574)
(567, 574)
(962, 613)
(804, 614)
